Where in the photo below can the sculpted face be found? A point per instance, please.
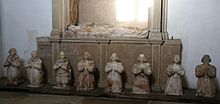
(176, 59)
(12, 51)
(206, 59)
(62, 55)
(86, 55)
(34, 54)
(141, 58)
(114, 57)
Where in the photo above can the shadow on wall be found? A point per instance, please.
(185, 84)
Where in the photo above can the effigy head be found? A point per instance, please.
(114, 57)
(142, 58)
(206, 59)
(34, 54)
(176, 59)
(12, 51)
(62, 55)
(86, 55)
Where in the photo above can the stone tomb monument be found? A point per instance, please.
(92, 26)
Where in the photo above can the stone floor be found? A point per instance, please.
(28, 98)
(47, 95)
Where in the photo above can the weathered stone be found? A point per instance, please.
(114, 68)
(12, 64)
(55, 33)
(86, 68)
(35, 71)
(175, 72)
(62, 72)
(141, 71)
(206, 74)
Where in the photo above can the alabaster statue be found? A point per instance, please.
(35, 70)
(175, 72)
(114, 68)
(86, 68)
(62, 71)
(206, 74)
(12, 65)
(141, 71)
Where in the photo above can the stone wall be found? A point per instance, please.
(97, 11)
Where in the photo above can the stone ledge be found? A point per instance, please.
(107, 40)
(189, 95)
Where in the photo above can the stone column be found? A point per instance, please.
(55, 55)
(60, 16)
(159, 20)
(55, 14)
(156, 55)
(164, 20)
(65, 14)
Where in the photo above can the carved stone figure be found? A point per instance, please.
(114, 68)
(35, 70)
(62, 72)
(94, 30)
(12, 64)
(86, 68)
(175, 72)
(141, 71)
(206, 74)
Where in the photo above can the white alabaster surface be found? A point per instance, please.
(107, 31)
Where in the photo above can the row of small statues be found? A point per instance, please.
(86, 82)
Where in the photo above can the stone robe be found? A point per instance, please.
(205, 84)
(35, 72)
(62, 73)
(114, 80)
(141, 80)
(13, 74)
(86, 80)
(174, 80)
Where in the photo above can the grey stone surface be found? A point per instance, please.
(162, 102)
(25, 98)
